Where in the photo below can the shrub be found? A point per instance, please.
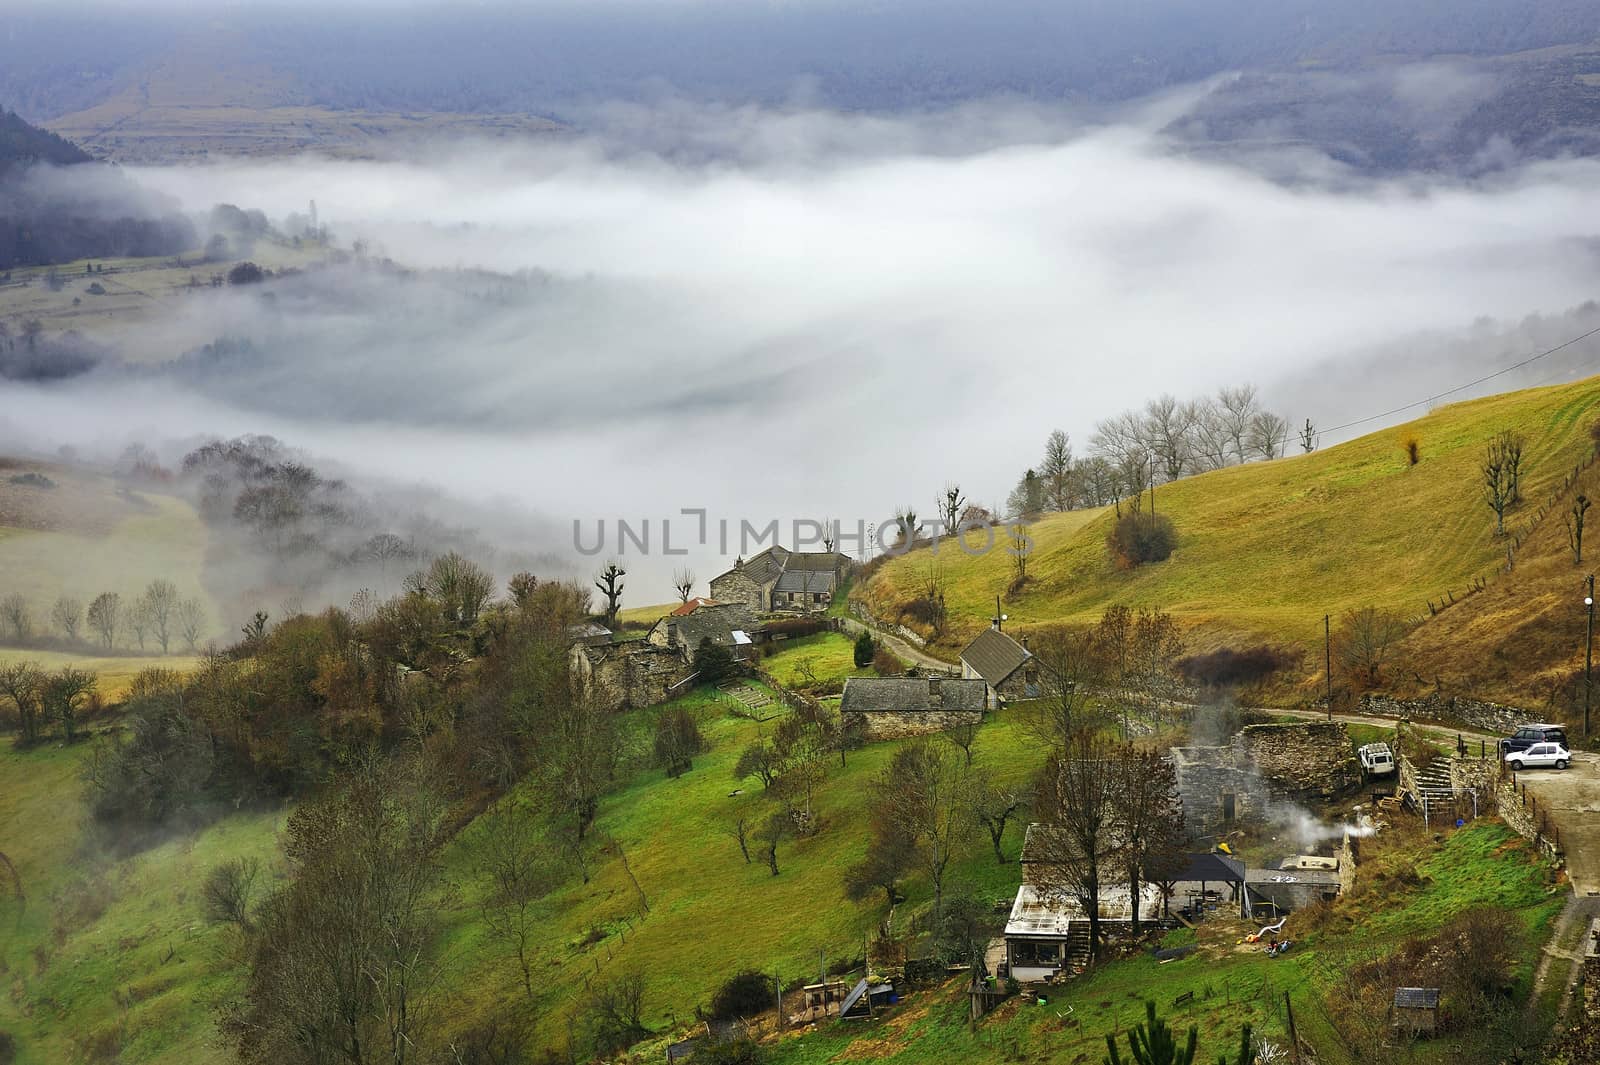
(865, 648)
(744, 994)
(8, 1049)
(1412, 447)
(677, 741)
(1229, 667)
(1139, 538)
(793, 627)
(712, 661)
(730, 1052)
(246, 274)
(885, 662)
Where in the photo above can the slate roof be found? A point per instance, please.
(994, 656)
(776, 562)
(1416, 998)
(806, 580)
(910, 695)
(1213, 869)
(717, 622)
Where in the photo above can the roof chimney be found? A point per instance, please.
(935, 695)
(1024, 641)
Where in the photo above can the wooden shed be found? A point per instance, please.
(1416, 1009)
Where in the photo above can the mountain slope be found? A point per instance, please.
(21, 143)
(1266, 549)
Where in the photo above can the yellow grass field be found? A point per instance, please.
(1266, 549)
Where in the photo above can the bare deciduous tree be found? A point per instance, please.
(520, 870)
(105, 617)
(927, 794)
(609, 582)
(1075, 802)
(160, 605)
(1366, 638)
(1575, 518)
(1056, 471)
(227, 895)
(1268, 434)
(773, 831)
(15, 613)
(1149, 820)
(994, 807)
(683, 581)
(192, 622)
(951, 504)
(67, 615)
(1496, 483)
(23, 684)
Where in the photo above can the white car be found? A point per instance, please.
(1376, 759)
(1539, 756)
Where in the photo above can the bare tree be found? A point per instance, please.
(1211, 443)
(23, 684)
(1077, 842)
(1056, 470)
(951, 503)
(520, 871)
(15, 613)
(160, 605)
(1238, 409)
(385, 548)
(1512, 445)
(610, 584)
(227, 895)
(1167, 427)
(1269, 433)
(683, 581)
(1308, 437)
(1149, 820)
(1496, 482)
(773, 831)
(830, 534)
(1574, 519)
(994, 807)
(927, 794)
(192, 622)
(136, 616)
(67, 615)
(105, 617)
(740, 832)
(1366, 638)
(63, 696)
(962, 736)
(1071, 669)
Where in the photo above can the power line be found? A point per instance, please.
(1461, 388)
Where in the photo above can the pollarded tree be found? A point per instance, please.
(683, 583)
(1495, 472)
(105, 617)
(610, 585)
(951, 504)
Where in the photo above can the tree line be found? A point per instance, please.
(1165, 440)
(155, 619)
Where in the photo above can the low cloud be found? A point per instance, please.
(799, 313)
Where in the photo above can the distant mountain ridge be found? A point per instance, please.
(21, 143)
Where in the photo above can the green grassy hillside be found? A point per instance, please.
(1266, 549)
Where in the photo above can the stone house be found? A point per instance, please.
(1298, 762)
(620, 676)
(731, 625)
(1006, 666)
(892, 707)
(780, 579)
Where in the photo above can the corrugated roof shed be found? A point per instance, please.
(872, 695)
(994, 656)
(1416, 998)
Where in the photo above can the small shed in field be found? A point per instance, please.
(1416, 1009)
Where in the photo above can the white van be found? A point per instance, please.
(1376, 759)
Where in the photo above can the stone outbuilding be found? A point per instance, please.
(1303, 761)
(892, 707)
(731, 625)
(1005, 665)
(1416, 1009)
(780, 579)
(620, 676)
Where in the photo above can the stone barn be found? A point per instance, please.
(1008, 667)
(619, 676)
(1301, 761)
(892, 707)
(1416, 1009)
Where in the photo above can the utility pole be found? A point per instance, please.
(1327, 658)
(1588, 652)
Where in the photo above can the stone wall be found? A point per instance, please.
(894, 726)
(911, 636)
(1207, 774)
(1522, 813)
(627, 674)
(737, 586)
(1475, 714)
(1304, 760)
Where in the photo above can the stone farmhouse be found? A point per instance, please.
(780, 579)
(732, 625)
(892, 707)
(1007, 667)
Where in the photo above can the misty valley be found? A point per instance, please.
(795, 534)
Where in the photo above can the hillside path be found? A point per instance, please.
(901, 647)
